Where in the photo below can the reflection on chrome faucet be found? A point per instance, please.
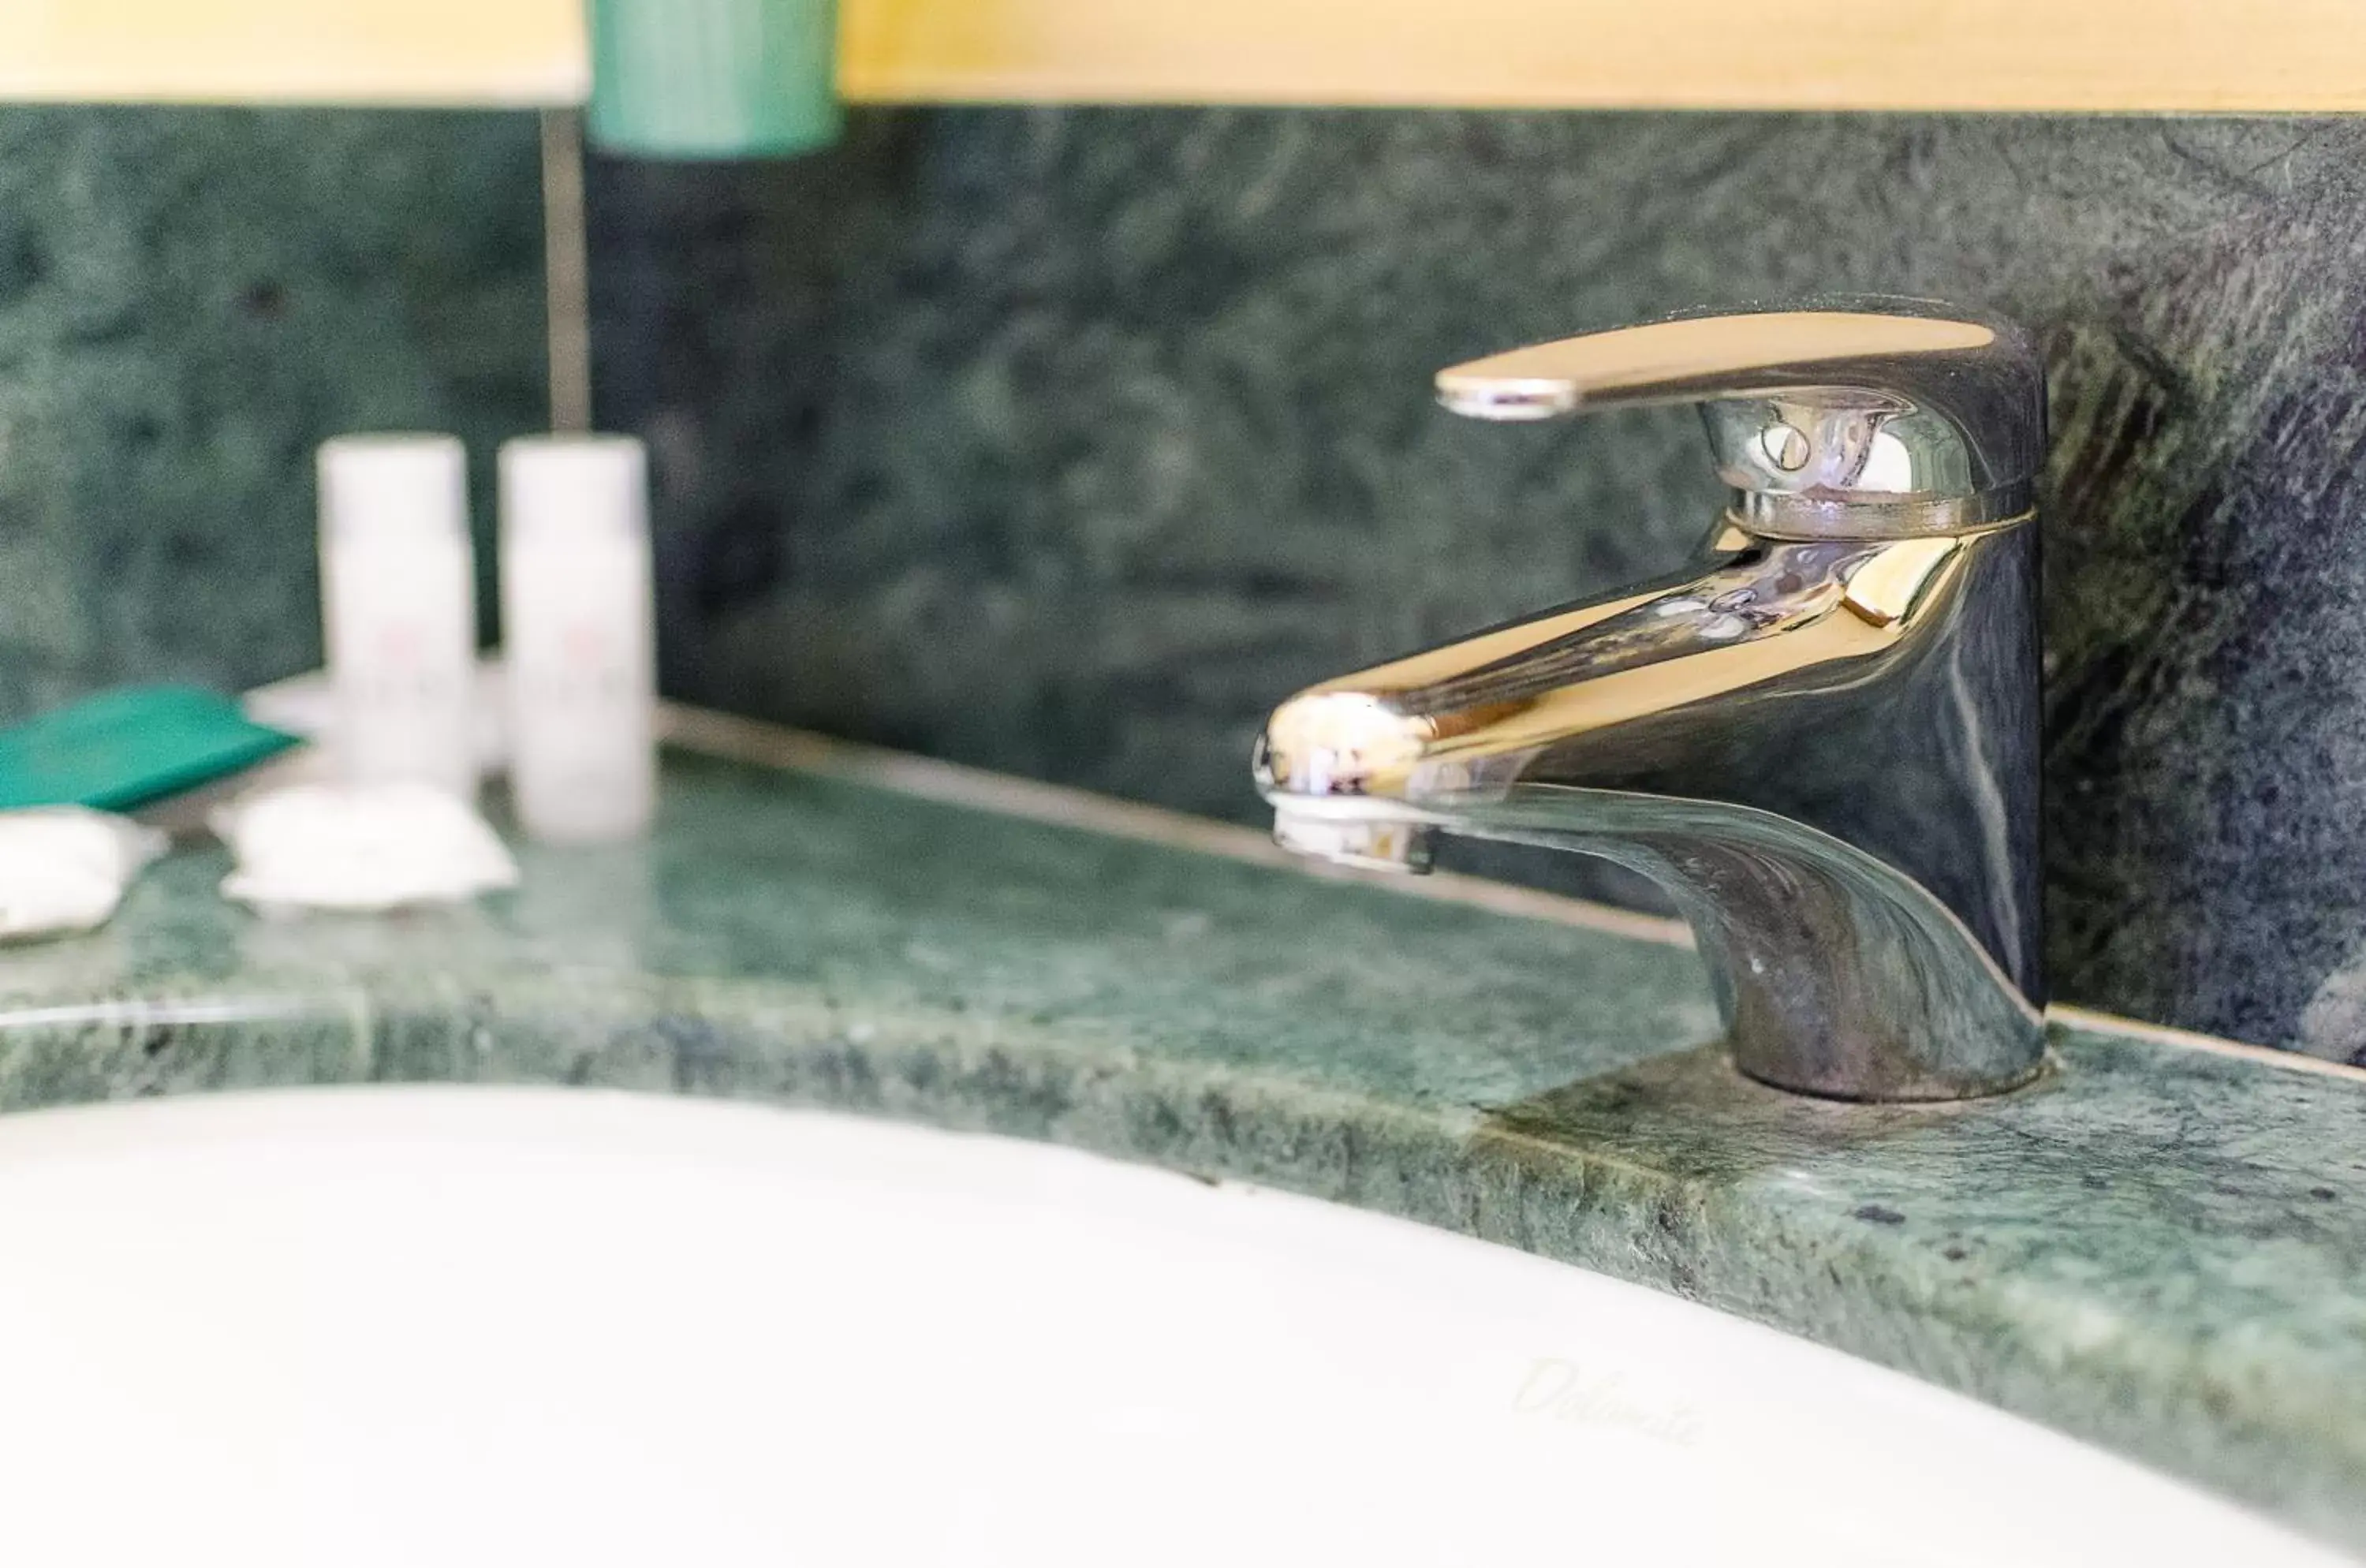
(1821, 740)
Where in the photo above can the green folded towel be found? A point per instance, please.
(127, 747)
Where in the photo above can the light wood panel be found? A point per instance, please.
(2001, 54)
(1974, 54)
(397, 51)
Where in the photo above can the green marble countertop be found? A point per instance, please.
(2161, 1247)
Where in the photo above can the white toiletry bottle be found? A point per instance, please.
(399, 609)
(579, 634)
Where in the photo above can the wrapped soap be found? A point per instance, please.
(64, 868)
(359, 847)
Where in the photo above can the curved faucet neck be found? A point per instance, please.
(1825, 750)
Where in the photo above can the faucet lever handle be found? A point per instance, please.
(1902, 420)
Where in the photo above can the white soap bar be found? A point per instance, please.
(63, 868)
(359, 847)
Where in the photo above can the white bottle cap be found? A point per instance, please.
(597, 483)
(398, 486)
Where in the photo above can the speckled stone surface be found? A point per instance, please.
(190, 300)
(2159, 1248)
(1067, 441)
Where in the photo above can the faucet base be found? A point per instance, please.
(1836, 975)
(1930, 1094)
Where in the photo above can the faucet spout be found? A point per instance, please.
(1822, 750)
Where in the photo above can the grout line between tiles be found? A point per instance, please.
(2191, 1040)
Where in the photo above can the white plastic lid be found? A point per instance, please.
(576, 482)
(393, 486)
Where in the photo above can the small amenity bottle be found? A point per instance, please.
(399, 609)
(579, 634)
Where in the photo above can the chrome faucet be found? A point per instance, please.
(1822, 742)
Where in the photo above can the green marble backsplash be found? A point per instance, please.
(190, 300)
(1066, 441)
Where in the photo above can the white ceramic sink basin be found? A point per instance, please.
(470, 1326)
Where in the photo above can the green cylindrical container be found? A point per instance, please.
(714, 78)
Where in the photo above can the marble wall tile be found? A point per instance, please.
(190, 300)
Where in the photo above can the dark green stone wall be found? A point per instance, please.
(190, 300)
